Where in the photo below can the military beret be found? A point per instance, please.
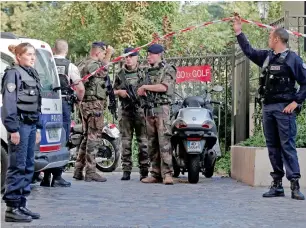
(127, 50)
(156, 49)
(98, 44)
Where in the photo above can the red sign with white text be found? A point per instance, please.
(193, 73)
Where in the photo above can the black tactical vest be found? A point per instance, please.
(28, 95)
(278, 84)
(62, 69)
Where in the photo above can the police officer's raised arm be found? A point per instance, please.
(256, 56)
(9, 98)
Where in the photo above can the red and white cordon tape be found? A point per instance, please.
(117, 59)
(272, 27)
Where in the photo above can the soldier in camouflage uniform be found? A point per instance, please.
(131, 117)
(161, 84)
(91, 110)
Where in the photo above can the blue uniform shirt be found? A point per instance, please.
(9, 112)
(294, 62)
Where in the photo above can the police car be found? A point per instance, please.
(51, 152)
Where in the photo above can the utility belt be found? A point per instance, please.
(28, 118)
(129, 105)
(91, 98)
(276, 98)
(155, 111)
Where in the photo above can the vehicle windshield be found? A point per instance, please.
(45, 67)
(187, 89)
(6, 61)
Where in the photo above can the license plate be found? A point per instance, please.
(194, 146)
(53, 134)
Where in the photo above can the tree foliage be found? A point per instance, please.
(132, 23)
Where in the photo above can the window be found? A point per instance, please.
(45, 67)
(6, 61)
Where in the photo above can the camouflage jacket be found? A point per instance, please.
(95, 87)
(162, 74)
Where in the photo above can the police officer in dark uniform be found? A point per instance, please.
(20, 116)
(281, 69)
(68, 73)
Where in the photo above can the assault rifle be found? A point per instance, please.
(131, 91)
(112, 99)
(71, 100)
(147, 102)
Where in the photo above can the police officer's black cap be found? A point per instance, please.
(127, 50)
(99, 44)
(156, 49)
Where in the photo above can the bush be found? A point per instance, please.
(258, 139)
(223, 164)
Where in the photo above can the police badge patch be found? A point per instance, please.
(11, 87)
(275, 68)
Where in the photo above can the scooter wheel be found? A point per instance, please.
(193, 168)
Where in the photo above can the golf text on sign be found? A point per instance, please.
(193, 73)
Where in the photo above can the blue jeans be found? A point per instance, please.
(20, 166)
(66, 117)
(280, 132)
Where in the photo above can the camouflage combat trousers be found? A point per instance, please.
(92, 122)
(134, 120)
(160, 149)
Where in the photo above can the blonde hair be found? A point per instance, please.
(20, 48)
(61, 46)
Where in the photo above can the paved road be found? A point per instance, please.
(215, 202)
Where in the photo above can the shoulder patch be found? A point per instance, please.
(304, 66)
(11, 87)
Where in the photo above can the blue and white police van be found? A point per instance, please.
(51, 152)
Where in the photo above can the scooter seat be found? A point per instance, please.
(194, 101)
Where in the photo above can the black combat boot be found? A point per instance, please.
(46, 180)
(276, 189)
(126, 175)
(59, 182)
(295, 190)
(143, 174)
(14, 214)
(27, 212)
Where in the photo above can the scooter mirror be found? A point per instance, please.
(217, 88)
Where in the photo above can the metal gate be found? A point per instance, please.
(231, 71)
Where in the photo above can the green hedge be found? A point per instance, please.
(258, 139)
